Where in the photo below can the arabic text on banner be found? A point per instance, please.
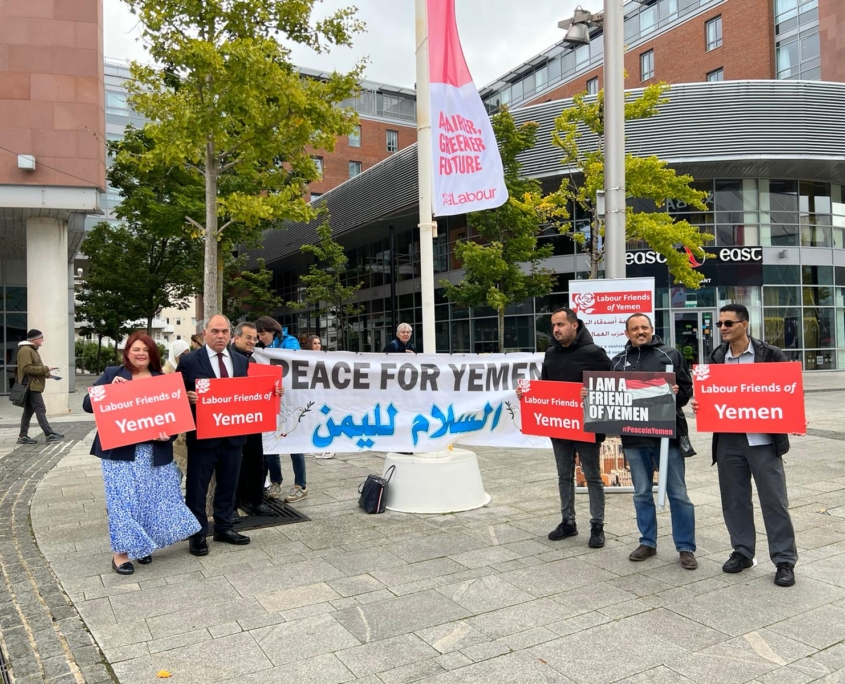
(348, 402)
(605, 305)
(467, 167)
(753, 397)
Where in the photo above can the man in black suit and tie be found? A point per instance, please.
(207, 456)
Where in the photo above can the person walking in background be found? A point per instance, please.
(220, 455)
(572, 353)
(33, 372)
(144, 503)
(401, 344)
(739, 457)
(645, 351)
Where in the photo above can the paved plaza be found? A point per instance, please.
(481, 596)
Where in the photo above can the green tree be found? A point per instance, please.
(228, 103)
(250, 294)
(504, 266)
(102, 313)
(645, 178)
(324, 287)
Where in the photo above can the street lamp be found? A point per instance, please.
(578, 33)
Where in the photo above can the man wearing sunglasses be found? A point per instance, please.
(740, 456)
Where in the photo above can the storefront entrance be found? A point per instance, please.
(694, 334)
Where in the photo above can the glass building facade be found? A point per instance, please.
(772, 249)
(12, 316)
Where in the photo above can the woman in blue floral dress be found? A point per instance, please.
(145, 506)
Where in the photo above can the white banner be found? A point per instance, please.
(467, 167)
(348, 402)
(604, 306)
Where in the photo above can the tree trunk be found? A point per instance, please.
(220, 267)
(594, 248)
(501, 330)
(99, 350)
(150, 324)
(210, 263)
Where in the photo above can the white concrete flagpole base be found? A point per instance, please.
(438, 482)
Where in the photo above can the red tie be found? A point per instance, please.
(223, 372)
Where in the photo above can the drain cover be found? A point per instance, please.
(283, 514)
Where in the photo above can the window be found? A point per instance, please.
(713, 33)
(355, 137)
(318, 195)
(116, 103)
(717, 75)
(593, 86)
(354, 168)
(647, 65)
(318, 162)
(392, 141)
(178, 321)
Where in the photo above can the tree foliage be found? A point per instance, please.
(102, 313)
(504, 265)
(324, 287)
(250, 294)
(645, 178)
(227, 102)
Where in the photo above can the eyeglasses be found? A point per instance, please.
(727, 324)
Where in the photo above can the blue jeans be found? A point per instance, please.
(273, 463)
(643, 462)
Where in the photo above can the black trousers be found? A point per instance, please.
(251, 481)
(34, 404)
(225, 461)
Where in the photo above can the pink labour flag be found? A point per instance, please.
(467, 167)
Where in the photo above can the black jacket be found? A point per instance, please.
(763, 353)
(397, 346)
(654, 357)
(567, 364)
(162, 451)
(196, 366)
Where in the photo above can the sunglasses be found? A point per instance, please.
(727, 324)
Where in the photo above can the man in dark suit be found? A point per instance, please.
(207, 456)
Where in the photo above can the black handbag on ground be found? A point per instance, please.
(373, 490)
(18, 394)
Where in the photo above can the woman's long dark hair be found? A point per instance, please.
(152, 351)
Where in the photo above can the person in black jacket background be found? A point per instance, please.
(645, 351)
(401, 344)
(144, 503)
(740, 456)
(572, 353)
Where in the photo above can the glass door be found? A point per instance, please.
(694, 336)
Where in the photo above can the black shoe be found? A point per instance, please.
(596, 537)
(641, 553)
(563, 531)
(260, 509)
(785, 576)
(145, 560)
(26, 440)
(231, 537)
(123, 569)
(54, 437)
(197, 545)
(737, 563)
(236, 518)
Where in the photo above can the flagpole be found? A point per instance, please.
(424, 156)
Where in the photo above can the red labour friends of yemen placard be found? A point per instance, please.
(140, 410)
(229, 407)
(553, 409)
(753, 397)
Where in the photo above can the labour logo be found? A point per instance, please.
(584, 302)
(97, 393)
(203, 386)
(701, 372)
(524, 385)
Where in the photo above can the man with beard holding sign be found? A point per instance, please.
(572, 353)
(645, 351)
(740, 456)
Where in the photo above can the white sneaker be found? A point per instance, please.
(329, 454)
(274, 490)
(296, 494)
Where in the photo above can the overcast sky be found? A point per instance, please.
(497, 35)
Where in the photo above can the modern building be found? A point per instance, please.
(52, 170)
(767, 143)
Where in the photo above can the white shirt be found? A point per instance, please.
(215, 362)
(754, 438)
